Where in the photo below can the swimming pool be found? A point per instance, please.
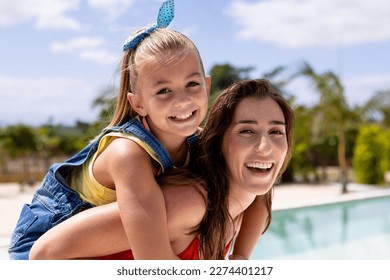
(358, 229)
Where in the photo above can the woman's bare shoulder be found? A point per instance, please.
(185, 199)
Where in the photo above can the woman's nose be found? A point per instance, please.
(263, 145)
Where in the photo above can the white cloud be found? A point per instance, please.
(302, 23)
(113, 8)
(99, 56)
(47, 14)
(77, 44)
(87, 48)
(36, 100)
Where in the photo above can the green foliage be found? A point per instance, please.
(300, 160)
(372, 154)
(377, 109)
(224, 75)
(18, 140)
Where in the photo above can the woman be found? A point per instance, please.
(244, 148)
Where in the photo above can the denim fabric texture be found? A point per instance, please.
(55, 201)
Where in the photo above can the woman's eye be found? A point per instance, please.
(278, 132)
(246, 131)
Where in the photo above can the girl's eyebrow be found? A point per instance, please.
(274, 122)
(163, 82)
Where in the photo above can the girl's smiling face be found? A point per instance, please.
(174, 95)
(255, 145)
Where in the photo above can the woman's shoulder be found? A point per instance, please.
(185, 208)
(185, 199)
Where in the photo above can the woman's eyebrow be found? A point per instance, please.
(278, 123)
(274, 122)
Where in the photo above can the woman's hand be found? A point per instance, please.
(236, 257)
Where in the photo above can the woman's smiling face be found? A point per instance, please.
(255, 145)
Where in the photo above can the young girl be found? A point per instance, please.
(163, 98)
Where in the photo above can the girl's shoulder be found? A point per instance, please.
(119, 153)
(123, 146)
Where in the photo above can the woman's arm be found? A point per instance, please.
(253, 224)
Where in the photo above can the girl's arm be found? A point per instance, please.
(253, 224)
(94, 232)
(140, 200)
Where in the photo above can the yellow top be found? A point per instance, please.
(84, 182)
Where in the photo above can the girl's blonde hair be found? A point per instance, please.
(172, 44)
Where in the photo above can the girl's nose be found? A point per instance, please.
(182, 99)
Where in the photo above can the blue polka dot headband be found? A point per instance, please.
(164, 18)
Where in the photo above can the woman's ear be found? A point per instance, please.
(136, 103)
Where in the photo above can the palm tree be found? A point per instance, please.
(378, 108)
(223, 75)
(331, 114)
(279, 83)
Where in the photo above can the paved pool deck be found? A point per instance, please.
(286, 196)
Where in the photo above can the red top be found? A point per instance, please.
(190, 253)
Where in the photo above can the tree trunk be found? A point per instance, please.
(343, 160)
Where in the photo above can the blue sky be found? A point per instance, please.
(56, 56)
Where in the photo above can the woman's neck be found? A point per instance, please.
(239, 200)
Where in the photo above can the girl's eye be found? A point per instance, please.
(192, 84)
(163, 91)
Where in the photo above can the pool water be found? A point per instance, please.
(350, 230)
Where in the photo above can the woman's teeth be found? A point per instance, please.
(259, 165)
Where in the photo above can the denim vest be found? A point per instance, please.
(55, 201)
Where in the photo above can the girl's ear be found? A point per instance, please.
(136, 103)
(208, 84)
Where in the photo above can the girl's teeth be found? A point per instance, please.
(183, 117)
